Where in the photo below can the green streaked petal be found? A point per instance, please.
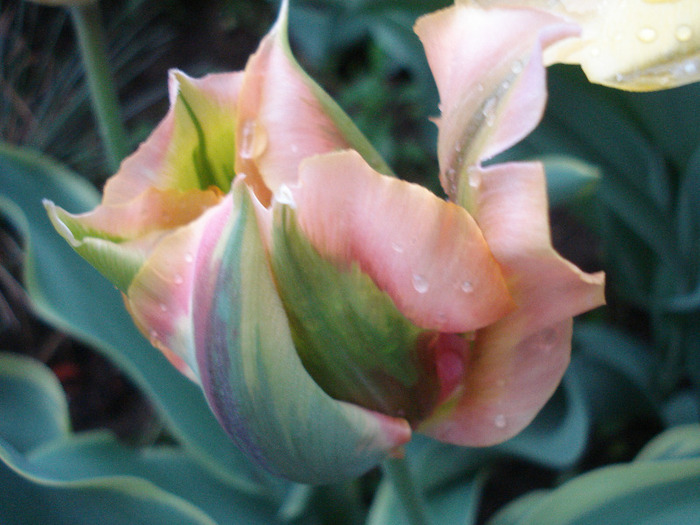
(254, 379)
(118, 262)
(191, 148)
(349, 334)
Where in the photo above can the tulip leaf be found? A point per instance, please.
(349, 334)
(34, 408)
(569, 178)
(254, 379)
(28, 496)
(98, 455)
(65, 291)
(454, 504)
(659, 487)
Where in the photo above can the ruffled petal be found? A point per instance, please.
(514, 365)
(427, 254)
(638, 45)
(252, 375)
(285, 117)
(492, 90)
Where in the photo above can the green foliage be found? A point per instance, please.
(659, 487)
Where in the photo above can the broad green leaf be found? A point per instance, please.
(33, 408)
(676, 443)
(659, 488)
(614, 365)
(29, 496)
(68, 293)
(95, 456)
(569, 179)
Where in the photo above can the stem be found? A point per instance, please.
(399, 474)
(103, 93)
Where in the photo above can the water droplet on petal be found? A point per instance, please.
(178, 279)
(595, 51)
(517, 67)
(690, 67)
(684, 33)
(420, 283)
(397, 247)
(489, 111)
(647, 34)
(480, 87)
(474, 179)
(163, 307)
(284, 195)
(500, 421)
(189, 258)
(467, 287)
(295, 148)
(253, 140)
(154, 335)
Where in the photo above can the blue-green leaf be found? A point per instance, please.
(34, 408)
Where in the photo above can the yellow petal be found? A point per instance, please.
(637, 45)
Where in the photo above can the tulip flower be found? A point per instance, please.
(327, 308)
(638, 45)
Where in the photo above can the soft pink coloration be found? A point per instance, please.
(428, 255)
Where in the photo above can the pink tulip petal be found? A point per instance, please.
(281, 120)
(515, 364)
(164, 160)
(427, 254)
(150, 211)
(492, 90)
(160, 296)
(285, 117)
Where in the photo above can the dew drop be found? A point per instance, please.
(500, 421)
(684, 33)
(178, 279)
(397, 247)
(595, 51)
(480, 87)
(189, 258)
(505, 85)
(253, 140)
(467, 287)
(420, 283)
(516, 67)
(154, 335)
(474, 180)
(163, 307)
(489, 111)
(295, 148)
(690, 67)
(647, 34)
(284, 196)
